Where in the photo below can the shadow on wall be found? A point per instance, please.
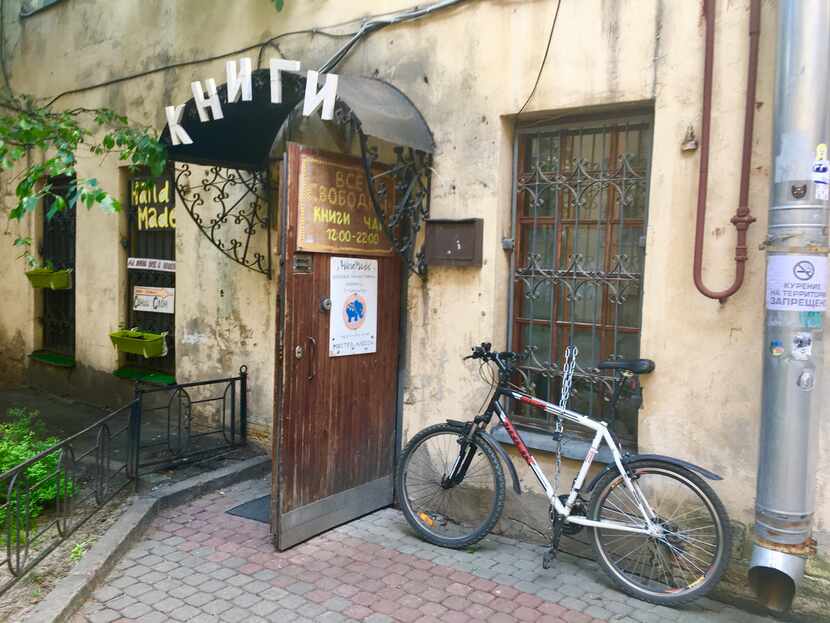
(12, 359)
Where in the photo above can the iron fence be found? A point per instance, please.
(45, 499)
(199, 420)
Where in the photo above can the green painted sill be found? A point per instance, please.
(146, 376)
(53, 359)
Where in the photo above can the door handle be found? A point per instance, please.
(312, 351)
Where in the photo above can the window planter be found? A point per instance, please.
(50, 279)
(141, 343)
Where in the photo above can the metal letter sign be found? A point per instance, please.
(797, 283)
(239, 83)
(353, 319)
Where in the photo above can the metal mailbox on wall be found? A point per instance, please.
(454, 242)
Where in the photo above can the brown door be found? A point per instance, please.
(335, 420)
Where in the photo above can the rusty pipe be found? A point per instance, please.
(742, 219)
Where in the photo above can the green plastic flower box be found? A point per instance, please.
(51, 279)
(140, 343)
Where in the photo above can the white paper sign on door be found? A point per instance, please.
(353, 319)
(797, 283)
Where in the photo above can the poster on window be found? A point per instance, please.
(159, 300)
(353, 319)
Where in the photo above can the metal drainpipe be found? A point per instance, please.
(742, 219)
(796, 273)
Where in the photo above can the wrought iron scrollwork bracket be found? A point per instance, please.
(411, 175)
(250, 212)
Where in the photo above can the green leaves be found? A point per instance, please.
(279, 4)
(24, 126)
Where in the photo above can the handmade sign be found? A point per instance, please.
(152, 200)
(160, 300)
(240, 88)
(334, 211)
(353, 318)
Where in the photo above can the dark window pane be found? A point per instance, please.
(58, 252)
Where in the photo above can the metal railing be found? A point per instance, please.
(67, 485)
(200, 420)
(45, 499)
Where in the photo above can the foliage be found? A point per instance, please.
(21, 439)
(78, 550)
(279, 4)
(60, 136)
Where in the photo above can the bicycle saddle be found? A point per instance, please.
(637, 366)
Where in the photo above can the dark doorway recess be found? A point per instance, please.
(150, 240)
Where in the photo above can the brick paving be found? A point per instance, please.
(196, 563)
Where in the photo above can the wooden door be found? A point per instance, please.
(335, 419)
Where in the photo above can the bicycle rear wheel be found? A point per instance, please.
(687, 559)
(445, 513)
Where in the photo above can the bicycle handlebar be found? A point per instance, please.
(483, 351)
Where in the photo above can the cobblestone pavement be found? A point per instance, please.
(197, 563)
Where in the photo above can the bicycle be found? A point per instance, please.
(658, 529)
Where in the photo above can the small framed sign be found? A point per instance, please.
(159, 300)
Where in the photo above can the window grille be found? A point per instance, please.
(580, 213)
(151, 243)
(58, 250)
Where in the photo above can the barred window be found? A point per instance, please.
(581, 208)
(58, 252)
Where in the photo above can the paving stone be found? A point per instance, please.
(103, 616)
(198, 564)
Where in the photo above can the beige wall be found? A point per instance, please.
(467, 69)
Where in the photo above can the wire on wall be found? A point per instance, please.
(368, 25)
(544, 60)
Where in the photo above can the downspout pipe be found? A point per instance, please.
(796, 293)
(742, 219)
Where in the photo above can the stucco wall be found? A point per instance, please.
(467, 69)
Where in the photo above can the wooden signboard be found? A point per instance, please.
(335, 213)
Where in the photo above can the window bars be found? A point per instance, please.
(58, 250)
(580, 223)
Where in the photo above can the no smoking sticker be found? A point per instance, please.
(797, 283)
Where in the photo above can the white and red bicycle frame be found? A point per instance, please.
(601, 434)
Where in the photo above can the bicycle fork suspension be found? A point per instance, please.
(462, 462)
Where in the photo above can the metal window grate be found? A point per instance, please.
(580, 214)
(58, 249)
(160, 244)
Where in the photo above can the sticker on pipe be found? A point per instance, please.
(797, 283)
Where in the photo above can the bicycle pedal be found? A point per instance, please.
(548, 559)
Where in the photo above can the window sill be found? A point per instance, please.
(52, 359)
(572, 447)
(152, 377)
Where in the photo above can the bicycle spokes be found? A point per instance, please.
(684, 549)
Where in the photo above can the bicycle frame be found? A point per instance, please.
(601, 434)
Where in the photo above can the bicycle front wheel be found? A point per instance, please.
(689, 556)
(446, 511)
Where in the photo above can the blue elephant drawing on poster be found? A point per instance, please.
(355, 311)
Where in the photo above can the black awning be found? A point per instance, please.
(243, 138)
